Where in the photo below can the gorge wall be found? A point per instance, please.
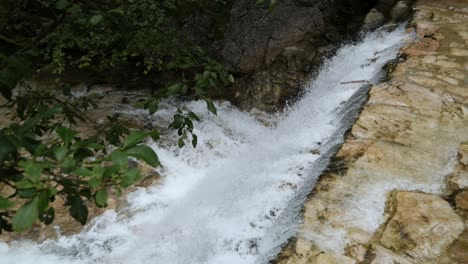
(274, 52)
(397, 190)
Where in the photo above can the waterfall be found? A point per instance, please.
(237, 197)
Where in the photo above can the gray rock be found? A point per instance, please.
(400, 12)
(257, 45)
(256, 37)
(373, 20)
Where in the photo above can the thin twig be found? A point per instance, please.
(356, 81)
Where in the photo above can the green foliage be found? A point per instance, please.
(53, 36)
(43, 156)
(26, 215)
(183, 123)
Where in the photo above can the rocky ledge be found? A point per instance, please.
(397, 191)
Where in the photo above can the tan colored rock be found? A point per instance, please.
(461, 201)
(449, 80)
(426, 46)
(357, 252)
(463, 154)
(325, 258)
(463, 34)
(459, 249)
(431, 59)
(381, 255)
(459, 178)
(457, 45)
(423, 226)
(459, 52)
(425, 27)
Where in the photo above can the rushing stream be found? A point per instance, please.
(237, 197)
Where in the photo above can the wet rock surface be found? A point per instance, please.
(398, 194)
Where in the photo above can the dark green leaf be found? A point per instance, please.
(194, 140)
(78, 209)
(31, 122)
(60, 152)
(96, 19)
(82, 171)
(101, 198)
(26, 215)
(62, 4)
(66, 134)
(98, 171)
(181, 143)
(94, 183)
(154, 135)
(194, 116)
(174, 89)
(48, 216)
(211, 107)
(189, 124)
(144, 153)
(32, 170)
(5, 203)
(68, 165)
(134, 138)
(43, 202)
(27, 193)
(130, 177)
(152, 106)
(119, 158)
(111, 171)
(178, 122)
(40, 150)
(6, 147)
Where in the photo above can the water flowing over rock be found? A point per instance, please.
(274, 53)
(411, 136)
(235, 198)
(395, 192)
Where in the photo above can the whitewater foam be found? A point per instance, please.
(236, 198)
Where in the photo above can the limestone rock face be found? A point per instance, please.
(461, 200)
(333, 259)
(459, 178)
(423, 226)
(458, 250)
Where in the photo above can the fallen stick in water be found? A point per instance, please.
(357, 81)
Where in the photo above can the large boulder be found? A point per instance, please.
(422, 227)
(272, 51)
(256, 36)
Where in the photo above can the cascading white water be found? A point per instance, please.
(236, 198)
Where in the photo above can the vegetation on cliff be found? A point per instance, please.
(42, 155)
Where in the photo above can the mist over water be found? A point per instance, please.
(237, 197)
